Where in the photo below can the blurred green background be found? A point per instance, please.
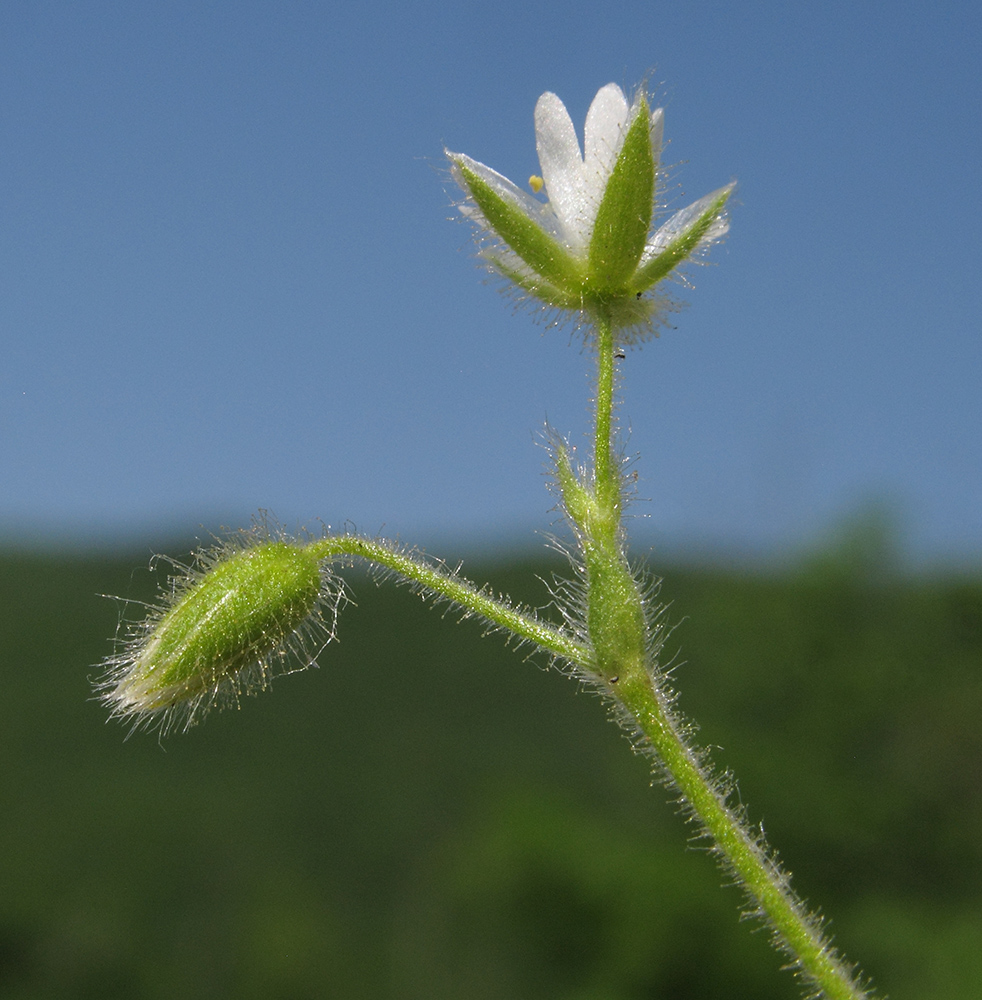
(431, 815)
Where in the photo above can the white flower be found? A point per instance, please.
(589, 250)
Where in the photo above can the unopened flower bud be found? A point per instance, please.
(224, 631)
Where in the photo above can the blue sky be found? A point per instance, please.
(230, 279)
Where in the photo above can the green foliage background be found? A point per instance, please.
(428, 815)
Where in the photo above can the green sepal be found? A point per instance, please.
(624, 215)
(682, 247)
(543, 254)
(535, 286)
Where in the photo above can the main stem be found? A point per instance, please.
(626, 664)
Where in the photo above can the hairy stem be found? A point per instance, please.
(624, 653)
(620, 656)
(607, 483)
(796, 932)
(453, 588)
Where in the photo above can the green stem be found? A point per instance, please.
(624, 657)
(797, 932)
(606, 480)
(620, 656)
(454, 588)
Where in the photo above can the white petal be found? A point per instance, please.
(562, 166)
(603, 136)
(657, 131)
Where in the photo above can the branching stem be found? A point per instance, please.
(621, 658)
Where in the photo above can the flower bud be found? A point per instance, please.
(224, 631)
